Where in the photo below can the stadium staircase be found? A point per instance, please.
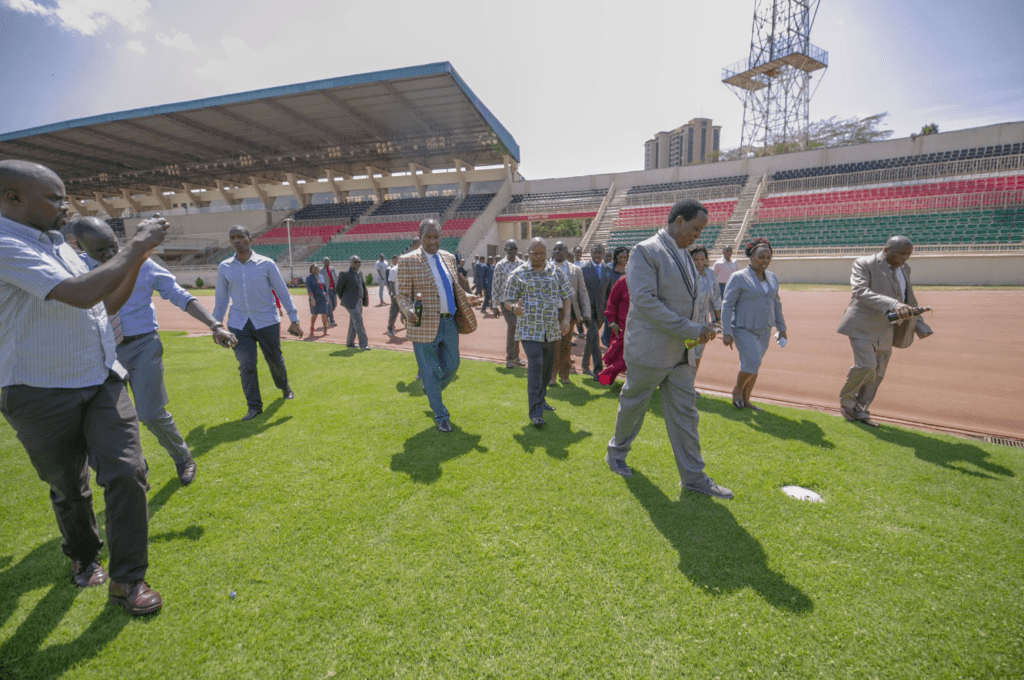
(601, 227)
(735, 228)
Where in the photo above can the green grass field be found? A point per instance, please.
(364, 544)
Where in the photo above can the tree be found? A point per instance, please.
(930, 129)
(830, 132)
(833, 132)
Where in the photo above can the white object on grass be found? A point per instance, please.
(801, 494)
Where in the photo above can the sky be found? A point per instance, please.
(580, 85)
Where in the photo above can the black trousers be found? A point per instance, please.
(67, 431)
(268, 339)
(592, 350)
(540, 363)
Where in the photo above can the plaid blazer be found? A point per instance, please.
(415, 277)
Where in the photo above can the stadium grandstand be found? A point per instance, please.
(351, 165)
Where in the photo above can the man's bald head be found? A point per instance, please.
(33, 195)
(899, 242)
(897, 251)
(95, 238)
(21, 174)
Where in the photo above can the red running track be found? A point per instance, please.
(968, 377)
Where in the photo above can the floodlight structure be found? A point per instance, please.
(774, 81)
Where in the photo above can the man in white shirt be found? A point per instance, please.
(249, 281)
(63, 389)
(723, 268)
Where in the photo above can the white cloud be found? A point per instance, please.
(178, 39)
(136, 46)
(27, 7)
(87, 17)
(237, 68)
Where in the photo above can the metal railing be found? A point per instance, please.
(969, 169)
(922, 249)
(995, 200)
(700, 194)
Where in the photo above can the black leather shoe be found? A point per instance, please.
(547, 407)
(253, 412)
(444, 426)
(287, 393)
(137, 598)
(186, 471)
(537, 422)
(88, 574)
(866, 420)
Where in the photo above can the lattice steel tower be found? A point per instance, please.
(774, 80)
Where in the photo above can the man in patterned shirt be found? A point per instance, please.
(538, 295)
(502, 271)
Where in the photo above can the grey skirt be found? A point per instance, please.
(751, 346)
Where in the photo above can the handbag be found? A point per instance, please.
(465, 319)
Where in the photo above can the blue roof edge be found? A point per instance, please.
(503, 134)
(252, 95)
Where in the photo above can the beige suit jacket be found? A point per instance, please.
(416, 277)
(875, 290)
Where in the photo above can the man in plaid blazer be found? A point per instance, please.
(430, 272)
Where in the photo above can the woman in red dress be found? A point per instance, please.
(615, 316)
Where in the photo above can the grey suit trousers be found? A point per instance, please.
(870, 359)
(679, 407)
(142, 358)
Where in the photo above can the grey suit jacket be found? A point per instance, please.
(746, 305)
(874, 292)
(662, 305)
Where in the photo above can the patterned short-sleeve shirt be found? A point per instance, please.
(542, 293)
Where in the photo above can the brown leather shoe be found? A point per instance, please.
(847, 414)
(137, 598)
(88, 574)
(866, 420)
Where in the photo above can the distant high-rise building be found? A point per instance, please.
(686, 145)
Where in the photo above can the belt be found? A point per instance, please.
(445, 315)
(131, 338)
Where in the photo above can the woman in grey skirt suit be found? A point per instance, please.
(709, 296)
(750, 308)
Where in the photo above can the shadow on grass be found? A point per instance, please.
(21, 655)
(427, 450)
(191, 533)
(767, 422)
(555, 437)
(580, 396)
(949, 455)
(414, 388)
(346, 352)
(201, 439)
(715, 552)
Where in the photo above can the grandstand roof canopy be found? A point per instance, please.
(421, 115)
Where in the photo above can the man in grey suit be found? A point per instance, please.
(663, 290)
(597, 280)
(351, 290)
(880, 283)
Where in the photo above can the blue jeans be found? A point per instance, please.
(438, 361)
(269, 340)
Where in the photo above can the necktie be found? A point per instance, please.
(115, 325)
(448, 294)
